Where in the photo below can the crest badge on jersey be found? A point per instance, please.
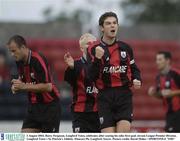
(123, 54)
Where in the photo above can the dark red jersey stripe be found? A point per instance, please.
(99, 82)
(162, 86)
(95, 109)
(129, 72)
(115, 61)
(47, 97)
(175, 99)
(80, 104)
(36, 55)
(54, 88)
(176, 103)
(32, 95)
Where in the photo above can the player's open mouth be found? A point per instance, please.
(112, 31)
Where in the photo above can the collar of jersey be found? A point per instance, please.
(83, 60)
(105, 44)
(29, 57)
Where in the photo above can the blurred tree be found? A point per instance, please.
(63, 16)
(152, 11)
(48, 14)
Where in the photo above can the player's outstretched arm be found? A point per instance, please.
(47, 87)
(170, 93)
(153, 92)
(94, 57)
(73, 69)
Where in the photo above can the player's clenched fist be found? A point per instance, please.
(99, 52)
(137, 84)
(13, 89)
(17, 85)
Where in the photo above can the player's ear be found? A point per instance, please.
(81, 48)
(101, 28)
(22, 47)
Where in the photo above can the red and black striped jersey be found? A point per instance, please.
(171, 81)
(35, 71)
(84, 90)
(116, 68)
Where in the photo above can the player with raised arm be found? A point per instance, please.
(84, 105)
(112, 67)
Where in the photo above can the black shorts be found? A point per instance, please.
(45, 117)
(114, 104)
(86, 122)
(173, 122)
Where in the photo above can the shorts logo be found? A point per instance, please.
(54, 129)
(123, 54)
(170, 129)
(32, 76)
(77, 130)
(132, 115)
(167, 84)
(101, 119)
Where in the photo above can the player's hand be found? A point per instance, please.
(136, 84)
(151, 91)
(99, 52)
(166, 93)
(69, 60)
(17, 85)
(13, 90)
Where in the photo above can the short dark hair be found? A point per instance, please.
(167, 54)
(104, 16)
(19, 40)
